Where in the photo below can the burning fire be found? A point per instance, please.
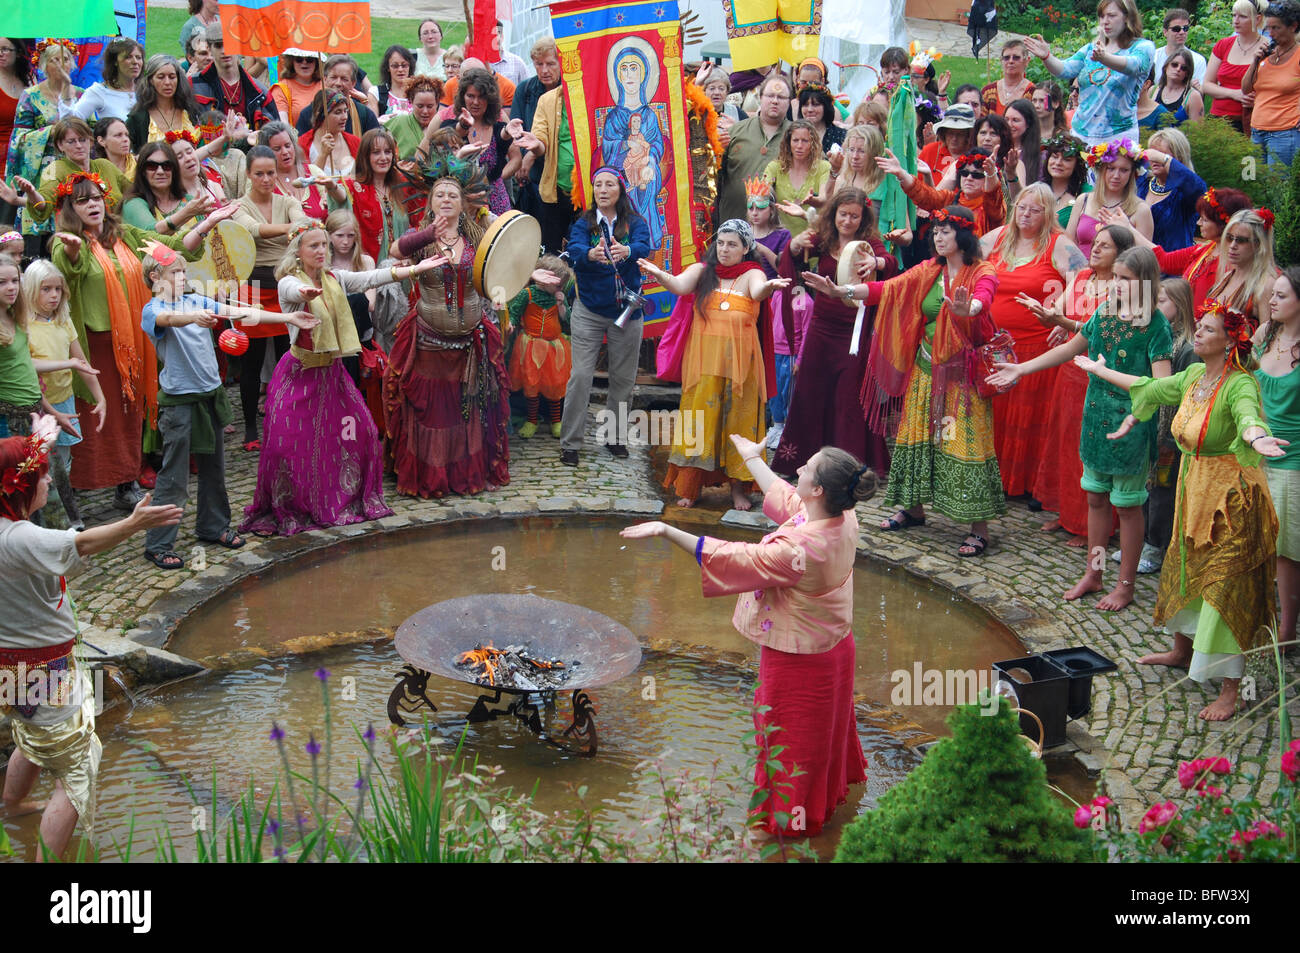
(486, 658)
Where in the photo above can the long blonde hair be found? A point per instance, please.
(17, 313)
(874, 142)
(289, 262)
(1010, 237)
(1179, 293)
(38, 272)
(1128, 203)
(338, 219)
(1263, 270)
(1175, 143)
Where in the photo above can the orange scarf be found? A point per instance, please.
(137, 363)
(900, 327)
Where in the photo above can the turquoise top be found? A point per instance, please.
(1129, 350)
(1281, 399)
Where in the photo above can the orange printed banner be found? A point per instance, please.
(269, 27)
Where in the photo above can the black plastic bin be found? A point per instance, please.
(1082, 664)
(1047, 696)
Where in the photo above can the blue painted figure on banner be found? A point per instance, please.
(632, 139)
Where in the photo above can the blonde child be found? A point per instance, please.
(541, 360)
(56, 353)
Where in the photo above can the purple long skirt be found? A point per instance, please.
(321, 463)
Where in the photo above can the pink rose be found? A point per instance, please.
(1291, 762)
(1102, 802)
(1268, 829)
(1211, 791)
(1083, 817)
(1220, 765)
(1158, 815)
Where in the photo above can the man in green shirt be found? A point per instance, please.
(754, 143)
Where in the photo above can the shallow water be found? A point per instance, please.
(214, 729)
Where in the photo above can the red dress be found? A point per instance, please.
(1020, 415)
(1198, 263)
(1056, 485)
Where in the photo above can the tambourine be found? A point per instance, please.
(506, 257)
(228, 256)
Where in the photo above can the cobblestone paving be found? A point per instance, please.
(1141, 725)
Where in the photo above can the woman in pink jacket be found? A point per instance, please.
(796, 601)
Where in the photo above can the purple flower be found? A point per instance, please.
(359, 784)
(313, 746)
(323, 674)
(277, 733)
(272, 828)
(280, 854)
(370, 733)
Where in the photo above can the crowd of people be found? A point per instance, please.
(969, 296)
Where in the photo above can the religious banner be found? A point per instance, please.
(626, 105)
(761, 32)
(269, 27)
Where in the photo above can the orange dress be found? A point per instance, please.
(541, 360)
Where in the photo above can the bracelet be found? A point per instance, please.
(392, 272)
(699, 551)
(1260, 437)
(757, 456)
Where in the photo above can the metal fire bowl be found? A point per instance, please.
(433, 637)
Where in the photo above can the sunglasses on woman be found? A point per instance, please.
(153, 165)
(973, 173)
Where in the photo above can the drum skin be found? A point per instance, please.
(506, 257)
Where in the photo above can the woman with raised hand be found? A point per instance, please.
(294, 177)
(157, 199)
(932, 318)
(1116, 165)
(31, 147)
(38, 630)
(796, 602)
(1217, 593)
(977, 188)
(322, 462)
(327, 144)
(727, 375)
(1109, 71)
(1172, 190)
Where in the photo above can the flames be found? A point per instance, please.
(485, 659)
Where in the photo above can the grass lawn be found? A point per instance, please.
(163, 29)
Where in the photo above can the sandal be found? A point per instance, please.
(252, 446)
(977, 548)
(166, 560)
(902, 520)
(228, 539)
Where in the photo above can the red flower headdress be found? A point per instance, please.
(1266, 215)
(1212, 200)
(1237, 325)
(973, 158)
(18, 479)
(64, 188)
(944, 217)
(183, 134)
(44, 45)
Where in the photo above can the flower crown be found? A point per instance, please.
(18, 478)
(757, 187)
(303, 227)
(973, 158)
(1212, 200)
(1065, 145)
(184, 135)
(1237, 325)
(1266, 214)
(14, 236)
(44, 45)
(944, 217)
(1105, 154)
(64, 188)
(821, 88)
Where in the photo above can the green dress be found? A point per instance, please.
(1218, 576)
(785, 192)
(1129, 350)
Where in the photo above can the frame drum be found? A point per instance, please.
(506, 257)
(228, 255)
(847, 271)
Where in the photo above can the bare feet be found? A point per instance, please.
(740, 499)
(1221, 709)
(1051, 527)
(26, 806)
(1172, 658)
(1091, 582)
(1118, 598)
(684, 503)
(1078, 542)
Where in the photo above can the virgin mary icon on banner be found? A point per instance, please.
(631, 137)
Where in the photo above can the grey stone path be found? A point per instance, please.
(1137, 734)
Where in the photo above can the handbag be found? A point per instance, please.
(672, 345)
(1000, 348)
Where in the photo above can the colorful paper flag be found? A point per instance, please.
(61, 18)
(625, 99)
(762, 32)
(269, 27)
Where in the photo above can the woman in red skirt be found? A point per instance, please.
(1032, 257)
(796, 601)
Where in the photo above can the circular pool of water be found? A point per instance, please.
(269, 635)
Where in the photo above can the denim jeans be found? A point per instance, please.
(1280, 146)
